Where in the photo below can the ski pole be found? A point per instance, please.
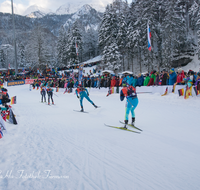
(130, 102)
(55, 95)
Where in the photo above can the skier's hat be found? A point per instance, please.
(124, 84)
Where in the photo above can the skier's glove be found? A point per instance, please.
(77, 96)
(88, 94)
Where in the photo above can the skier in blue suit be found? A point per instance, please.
(83, 93)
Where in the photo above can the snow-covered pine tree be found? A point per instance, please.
(40, 49)
(121, 37)
(61, 47)
(90, 41)
(111, 57)
(2, 59)
(194, 13)
(133, 36)
(108, 28)
(174, 29)
(35, 50)
(21, 55)
(75, 44)
(198, 34)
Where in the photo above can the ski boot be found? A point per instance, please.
(94, 105)
(133, 121)
(48, 103)
(82, 109)
(53, 103)
(126, 122)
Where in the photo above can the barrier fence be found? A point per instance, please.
(143, 89)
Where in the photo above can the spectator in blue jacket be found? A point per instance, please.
(172, 77)
(124, 80)
(140, 80)
(129, 80)
(134, 81)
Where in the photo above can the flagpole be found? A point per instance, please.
(149, 42)
(80, 71)
(14, 39)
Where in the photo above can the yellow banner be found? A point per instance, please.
(17, 82)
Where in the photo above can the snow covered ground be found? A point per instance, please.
(55, 148)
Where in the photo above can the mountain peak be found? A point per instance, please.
(85, 9)
(70, 9)
(36, 14)
(64, 9)
(35, 8)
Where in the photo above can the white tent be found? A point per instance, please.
(144, 73)
(127, 72)
(107, 71)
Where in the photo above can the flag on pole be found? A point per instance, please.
(181, 92)
(188, 92)
(166, 92)
(76, 48)
(110, 91)
(174, 86)
(13, 100)
(80, 73)
(149, 37)
(12, 117)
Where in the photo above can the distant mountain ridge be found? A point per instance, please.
(35, 11)
(87, 16)
(35, 8)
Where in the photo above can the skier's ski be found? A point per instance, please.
(81, 111)
(131, 126)
(121, 128)
(98, 107)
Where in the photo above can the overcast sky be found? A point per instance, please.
(22, 5)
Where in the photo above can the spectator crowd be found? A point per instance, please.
(69, 79)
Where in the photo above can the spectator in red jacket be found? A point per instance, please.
(152, 79)
(113, 82)
(180, 76)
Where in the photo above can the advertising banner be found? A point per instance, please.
(16, 82)
(29, 81)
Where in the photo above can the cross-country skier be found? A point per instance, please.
(83, 93)
(50, 95)
(131, 102)
(43, 93)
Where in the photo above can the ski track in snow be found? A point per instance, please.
(55, 141)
